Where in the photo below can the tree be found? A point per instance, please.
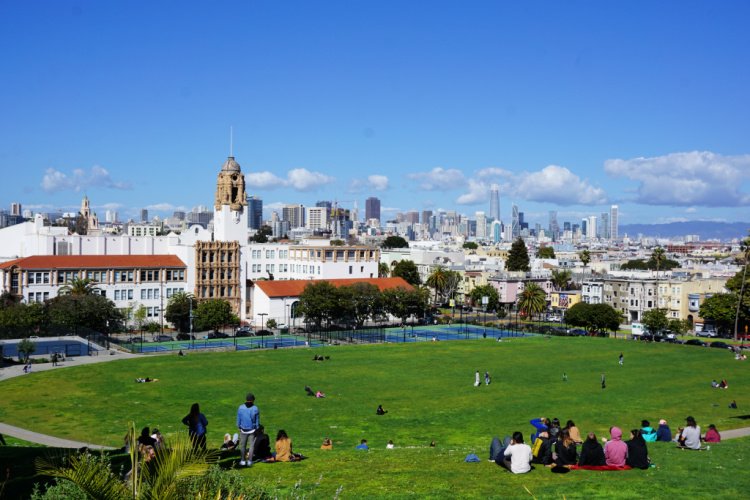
(518, 257)
(79, 287)
(383, 270)
(532, 300)
(561, 278)
(395, 242)
(25, 349)
(593, 317)
(93, 312)
(262, 235)
(338, 243)
(407, 270)
(212, 314)
(721, 309)
(585, 257)
(178, 310)
(745, 247)
(658, 256)
(139, 317)
(545, 253)
(360, 302)
(655, 320)
(8, 299)
(470, 245)
(318, 303)
(403, 303)
(437, 280)
(489, 291)
(271, 323)
(679, 326)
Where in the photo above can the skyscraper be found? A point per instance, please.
(294, 214)
(372, 208)
(613, 232)
(554, 228)
(591, 227)
(254, 212)
(516, 223)
(481, 230)
(15, 209)
(495, 202)
(144, 215)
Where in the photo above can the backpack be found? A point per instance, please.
(537, 447)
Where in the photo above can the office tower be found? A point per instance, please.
(177, 214)
(426, 214)
(566, 226)
(144, 215)
(584, 227)
(481, 230)
(355, 214)
(294, 214)
(372, 208)
(495, 202)
(326, 204)
(554, 228)
(591, 226)
(516, 222)
(254, 212)
(110, 216)
(613, 228)
(496, 231)
(604, 225)
(317, 217)
(412, 217)
(15, 209)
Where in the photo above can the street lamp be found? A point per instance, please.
(262, 323)
(192, 339)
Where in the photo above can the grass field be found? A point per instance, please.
(428, 389)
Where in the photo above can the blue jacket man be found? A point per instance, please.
(248, 420)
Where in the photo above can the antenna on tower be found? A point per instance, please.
(231, 140)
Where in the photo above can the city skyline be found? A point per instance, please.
(567, 108)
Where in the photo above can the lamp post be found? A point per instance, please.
(262, 323)
(192, 339)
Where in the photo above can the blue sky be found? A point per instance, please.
(568, 106)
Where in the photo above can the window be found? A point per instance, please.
(143, 294)
(350, 269)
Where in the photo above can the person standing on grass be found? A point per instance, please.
(248, 421)
(622, 359)
(604, 382)
(477, 383)
(197, 423)
(487, 379)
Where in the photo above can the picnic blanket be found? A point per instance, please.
(600, 467)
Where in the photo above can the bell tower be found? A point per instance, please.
(230, 215)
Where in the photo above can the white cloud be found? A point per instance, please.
(165, 207)
(378, 182)
(79, 180)
(494, 173)
(558, 185)
(478, 193)
(299, 179)
(697, 178)
(439, 179)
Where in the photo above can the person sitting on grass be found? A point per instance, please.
(647, 432)
(284, 451)
(517, 455)
(690, 437)
(229, 442)
(309, 391)
(615, 450)
(637, 451)
(363, 445)
(320, 394)
(380, 410)
(592, 453)
(565, 450)
(575, 434)
(327, 444)
(542, 448)
(712, 435)
(145, 438)
(663, 432)
(539, 424)
(262, 447)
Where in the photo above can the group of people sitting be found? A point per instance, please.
(262, 447)
(720, 385)
(557, 447)
(317, 394)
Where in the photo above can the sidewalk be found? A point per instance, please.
(35, 437)
(17, 370)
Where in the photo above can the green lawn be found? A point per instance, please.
(428, 390)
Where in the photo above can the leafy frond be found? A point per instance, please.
(90, 473)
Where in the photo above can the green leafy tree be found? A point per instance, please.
(178, 310)
(438, 281)
(395, 242)
(139, 317)
(360, 302)
(679, 326)
(271, 323)
(644, 265)
(337, 243)
(25, 349)
(212, 314)
(403, 303)
(720, 308)
(655, 320)
(518, 257)
(532, 300)
(318, 303)
(545, 252)
(489, 291)
(593, 317)
(262, 235)
(72, 312)
(407, 270)
(561, 278)
(470, 245)
(8, 299)
(383, 270)
(745, 248)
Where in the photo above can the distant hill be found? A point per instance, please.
(707, 230)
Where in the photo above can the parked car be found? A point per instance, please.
(217, 335)
(554, 317)
(577, 331)
(695, 342)
(184, 336)
(707, 333)
(720, 345)
(163, 338)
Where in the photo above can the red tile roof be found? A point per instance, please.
(294, 288)
(94, 262)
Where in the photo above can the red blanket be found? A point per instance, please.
(600, 467)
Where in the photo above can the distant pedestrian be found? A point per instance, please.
(54, 359)
(622, 359)
(477, 383)
(248, 421)
(604, 382)
(565, 377)
(487, 379)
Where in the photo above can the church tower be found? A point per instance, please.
(230, 214)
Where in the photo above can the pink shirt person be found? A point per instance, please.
(615, 451)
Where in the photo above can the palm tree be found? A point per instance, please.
(383, 270)
(585, 257)
(560, 278)
(745, 247)
(658, 256)
(438, 280)
(533, 299)
(79, 287)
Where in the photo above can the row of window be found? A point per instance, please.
(216, 291)
(209, 256)
(222, 274)
(146, 293)
(38, 297)
(38, 278)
